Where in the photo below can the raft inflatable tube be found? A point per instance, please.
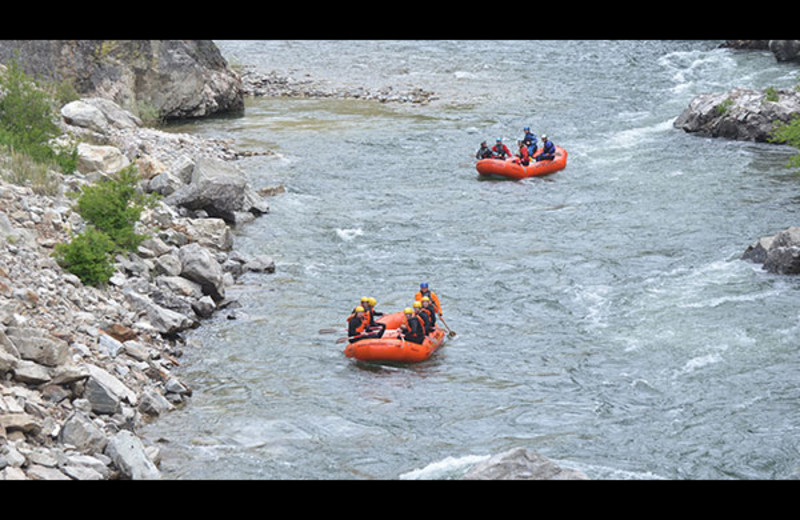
(391, 348)
(512, 169)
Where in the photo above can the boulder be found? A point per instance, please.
(99, 158)
(164, 321)
(99, 115)
(785, 50)
(521, 464)
(105, 392)
(82, 433)
(779, 253)
(740, 114)
(37, 345)
(200, 266)
(220, 190)
(128, 454)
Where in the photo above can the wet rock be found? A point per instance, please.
(521, 464)
(740, 114)
(219, 189)
(779, 253)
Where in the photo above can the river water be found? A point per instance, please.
(603, 316)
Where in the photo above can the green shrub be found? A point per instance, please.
(114, 206)
(723, 107)
(27, 120)
(771, 95)
(788, 133)
(87, 256)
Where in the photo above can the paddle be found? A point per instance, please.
(329, 331)
(450, 333)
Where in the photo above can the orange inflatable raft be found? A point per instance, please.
(512, 169)
(391, 348)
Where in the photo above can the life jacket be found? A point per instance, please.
(437, 307)
(431, 317)
(415, 335)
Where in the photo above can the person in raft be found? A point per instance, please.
(499, 150)
(427, 308)
(361, 323)
(357, 324)
(424, 290)
(426, 323)
(524, 156)
(484, 152)
(548, 150)
(530, 140)
(376, 329)
(412, 329)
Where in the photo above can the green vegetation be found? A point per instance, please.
(111, 208)
(723, 107)
(27, 121)
(771, 94)
(788, 133)
(87, 256)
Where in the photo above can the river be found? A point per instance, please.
(603, 316)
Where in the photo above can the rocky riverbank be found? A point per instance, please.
(274, 84)
(81, 368)
(751, 115)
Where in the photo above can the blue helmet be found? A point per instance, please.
(527, 128)
(423, 285)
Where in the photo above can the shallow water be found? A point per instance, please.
(603, 316)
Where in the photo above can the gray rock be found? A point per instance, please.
(153, 403)
(168, 264)
(79, 431)
(179, 78)
(260, 264)
(204, 307)
(219, 189)
(128, 454)
(37, 345)
(163, 320)
(100, 158)
(785, 50)
(521, 464)
(779, 253)
(105, 392)
(32, 373)
(37, 472)
(741, 114)
(200, 266)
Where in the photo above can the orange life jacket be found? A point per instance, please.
(437, 307)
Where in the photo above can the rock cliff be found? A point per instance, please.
(177, 78)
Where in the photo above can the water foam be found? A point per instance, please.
(445, 468)
(349, 234)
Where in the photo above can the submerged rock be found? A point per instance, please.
(521, 464)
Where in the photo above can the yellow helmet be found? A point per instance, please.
(373, 301)
(417, 304)
(426, 299)
(365, 298)
(359, 309)
(408, 310)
